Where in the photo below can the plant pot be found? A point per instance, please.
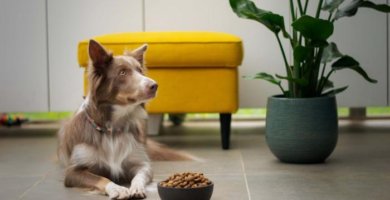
(301, 130)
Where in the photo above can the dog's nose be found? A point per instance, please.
(153, 87)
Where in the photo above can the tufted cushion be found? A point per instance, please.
(174, 49)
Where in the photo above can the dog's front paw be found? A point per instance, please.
(115, 191)
(137, 191)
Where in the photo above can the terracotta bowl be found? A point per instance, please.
(200, 193)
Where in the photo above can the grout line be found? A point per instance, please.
(388, 53)
(245, 178)
(32, 186)
(22, 176)
(47, 54)
(143, 16)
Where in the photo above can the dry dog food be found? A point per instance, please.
(186, 180)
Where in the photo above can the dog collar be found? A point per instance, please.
(96, 126)
(101, 129)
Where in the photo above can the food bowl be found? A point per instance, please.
(186, 186)
(199, 193)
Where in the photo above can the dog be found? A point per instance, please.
(104, 144)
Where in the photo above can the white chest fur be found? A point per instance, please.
(111, 153)
(129, 112)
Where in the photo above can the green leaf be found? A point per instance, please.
(265, 76)
(378, 7)
(349, 10)
(313, 28)
(247, 9)
(328, 84)
(347, 62)
(318, 43)
(352, 8)
(335, 91)
(331, 5)
(301, 53)
(330, 53)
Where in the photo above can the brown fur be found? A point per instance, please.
(117, 93)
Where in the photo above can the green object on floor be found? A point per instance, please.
(45, 116)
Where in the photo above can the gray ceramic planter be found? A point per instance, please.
(301, 130)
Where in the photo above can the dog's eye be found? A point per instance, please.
(123, 73)
(139, 70)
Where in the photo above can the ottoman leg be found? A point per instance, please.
(225, 120)
(154, 123)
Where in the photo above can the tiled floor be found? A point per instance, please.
(359, 169)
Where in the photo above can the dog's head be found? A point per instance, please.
(119, 80)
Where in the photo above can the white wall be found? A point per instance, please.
(73, 20)
(23, 59)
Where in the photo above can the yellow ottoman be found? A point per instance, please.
(196, 71)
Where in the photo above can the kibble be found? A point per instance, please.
(186, 180)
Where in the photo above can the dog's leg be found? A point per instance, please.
(86, 179)
(140, 176)
(78, 176)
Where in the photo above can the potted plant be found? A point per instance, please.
(301, 122)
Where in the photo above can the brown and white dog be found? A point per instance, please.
(104, 144)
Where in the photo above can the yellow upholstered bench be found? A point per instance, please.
(196, 71)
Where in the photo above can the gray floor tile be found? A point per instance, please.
(229, 187)
(195, 135)
(355, 152)
(212, 162)
(27, 156)
(359, 168)
(317, 186)
(12, 187)
(52, 188)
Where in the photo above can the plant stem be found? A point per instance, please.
(323, 70)
(325, 80)
(293, 41)
(306, 4)
(334, 17)
(319, 8)
(288, 70)
(297, 75)
(281, 88)
(321, 83)
(316, 70)
(284, 54)
(301, 11)
(330, 16)
(292, 10)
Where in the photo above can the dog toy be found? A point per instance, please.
(12, 119)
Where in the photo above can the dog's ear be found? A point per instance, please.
(138, 54)
(99, 56)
